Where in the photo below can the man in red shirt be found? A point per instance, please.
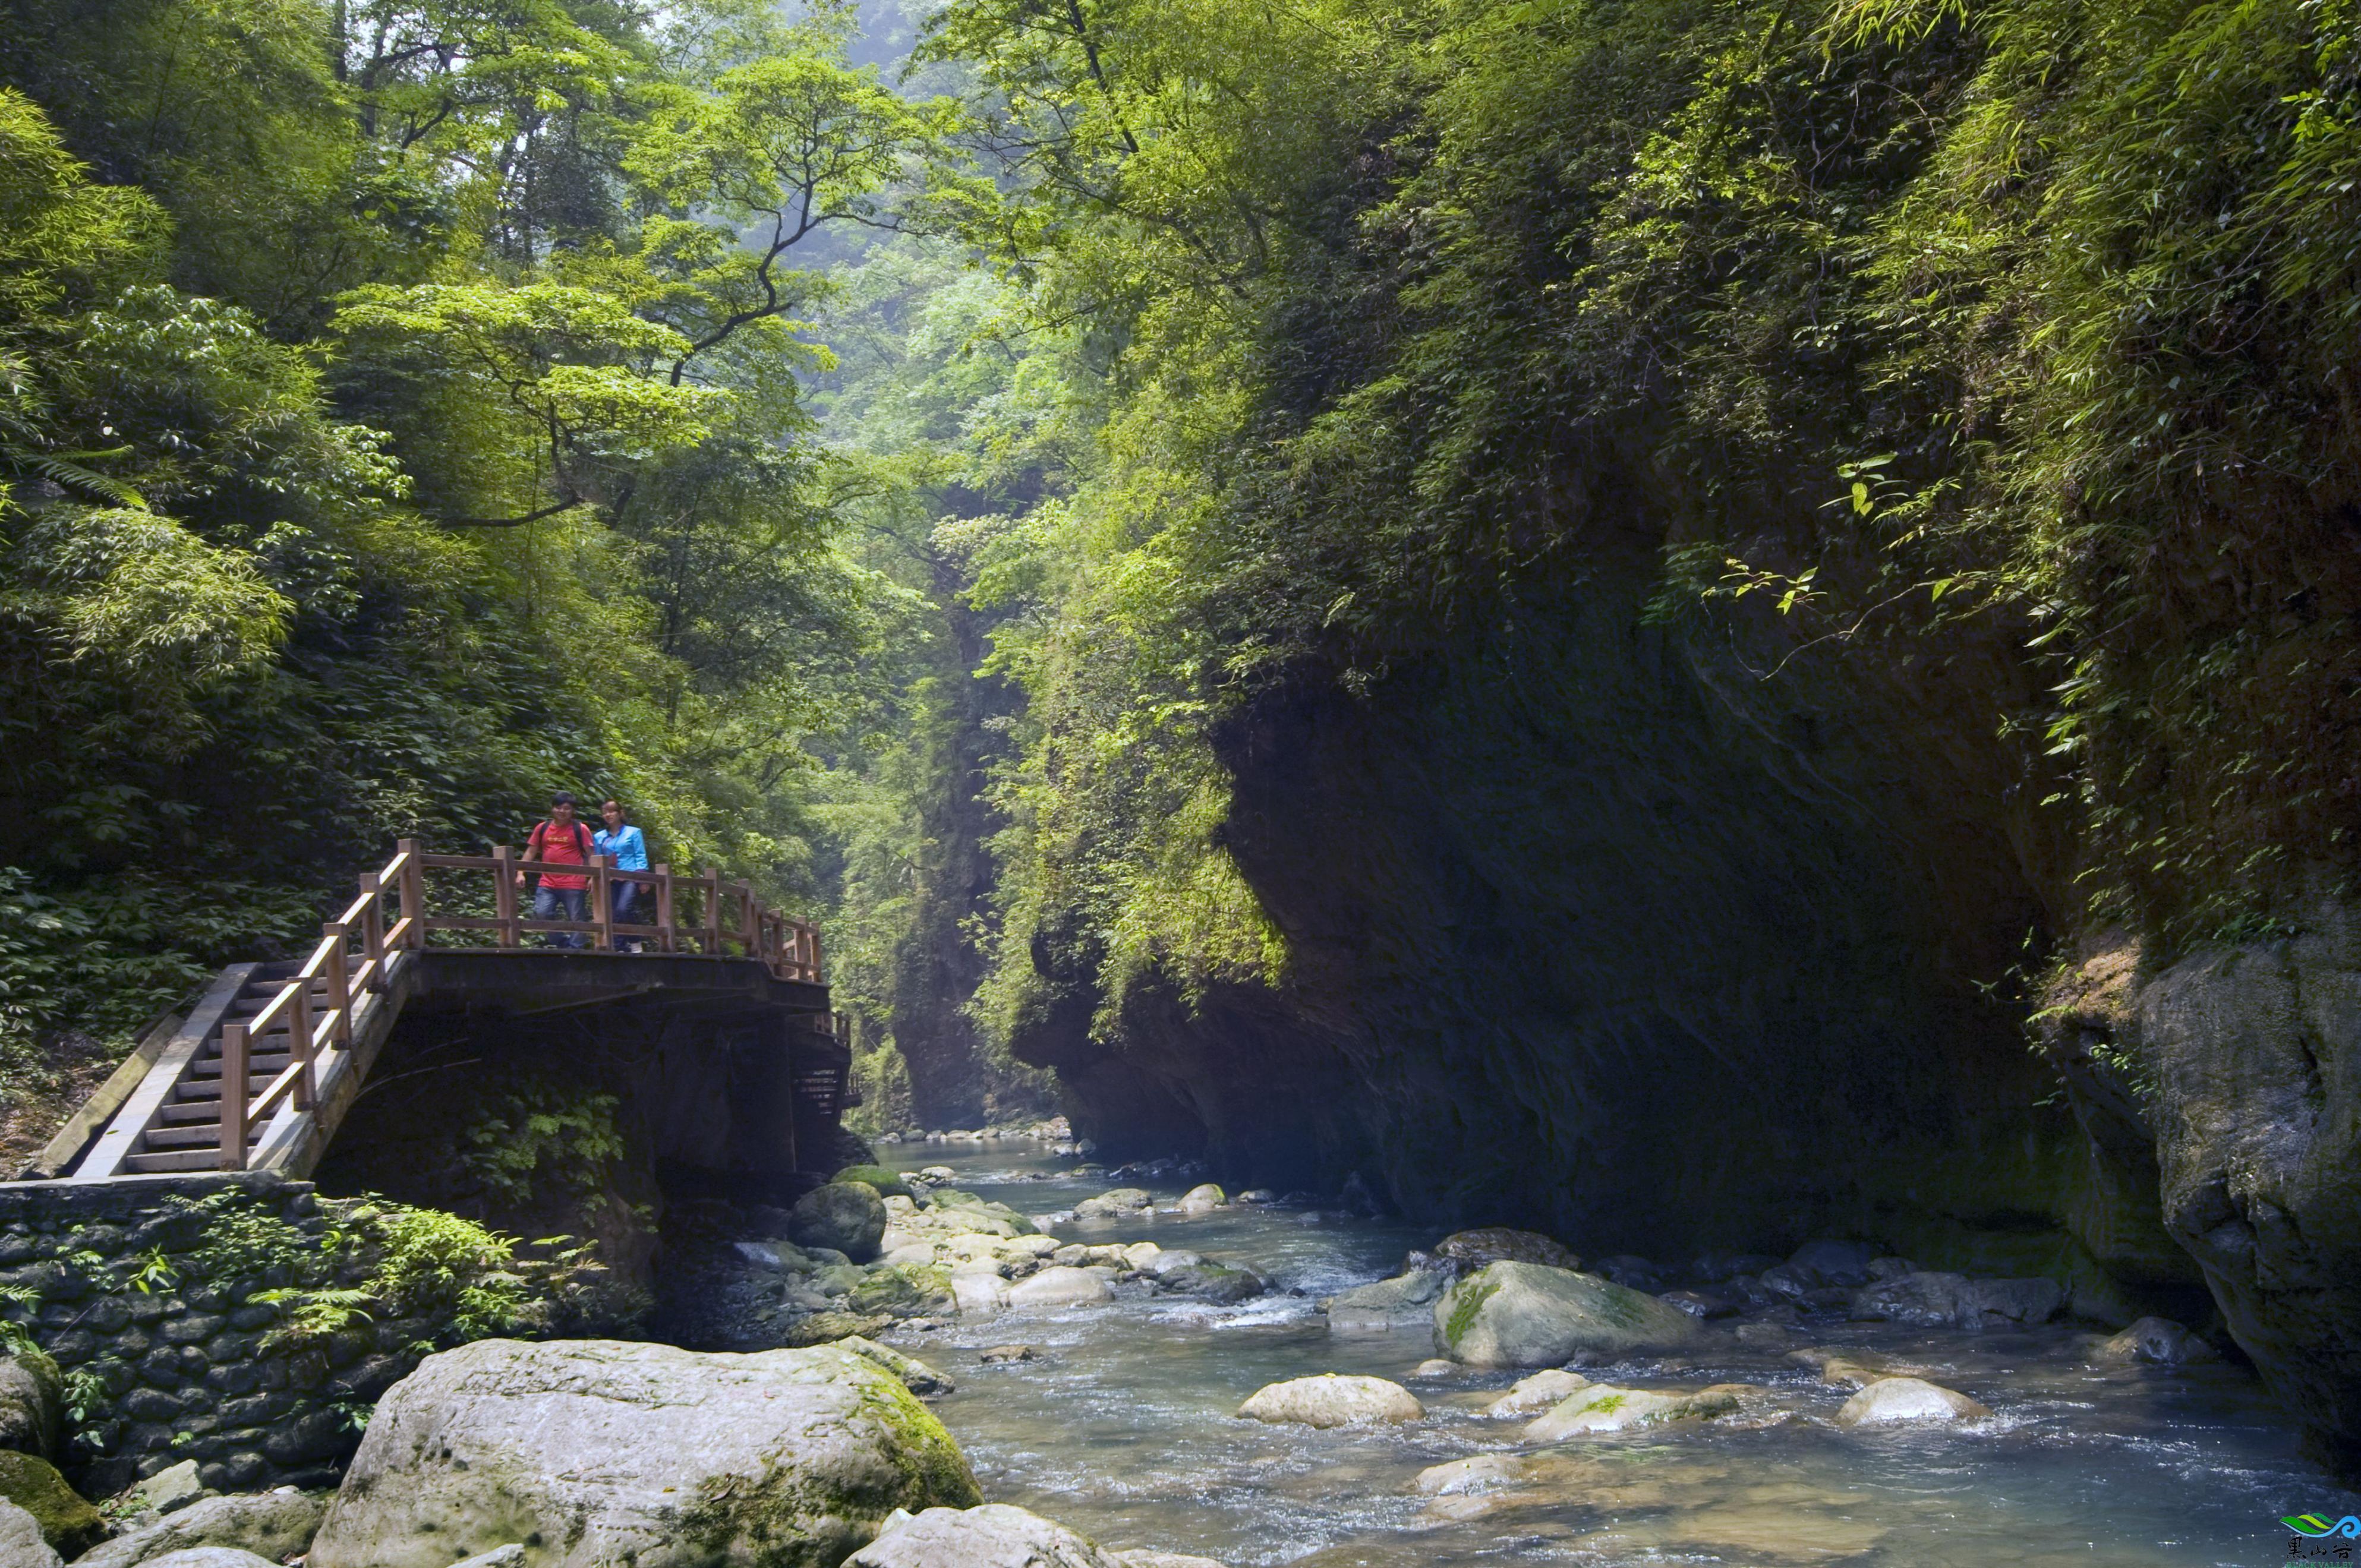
(562, 895)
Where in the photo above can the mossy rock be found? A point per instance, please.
(827, 1328)
(889, 1184)
(903, 1289)
(33, 1484)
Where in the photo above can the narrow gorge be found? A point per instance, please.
(924, 783)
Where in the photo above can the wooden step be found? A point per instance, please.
(208, 1091)
(265, 1062)
(204, 1112)
(197, 1137)
(176, 1159)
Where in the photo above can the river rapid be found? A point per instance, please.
(1123, 1427)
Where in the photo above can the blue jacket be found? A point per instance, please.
(626, 844)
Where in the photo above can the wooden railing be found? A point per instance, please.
(391, 916)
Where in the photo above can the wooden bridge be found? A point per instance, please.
(261, 1070)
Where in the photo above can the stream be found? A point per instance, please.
(1123, 1427)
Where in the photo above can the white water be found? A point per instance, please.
(1124, 1430)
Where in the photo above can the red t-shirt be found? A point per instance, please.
(564, 847)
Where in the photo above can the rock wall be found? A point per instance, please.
(2243, 1064)
(175, 1353)
(1594, 929)
(155, 1297)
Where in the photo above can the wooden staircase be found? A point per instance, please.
(185, 1132)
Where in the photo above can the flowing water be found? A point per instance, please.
(1123, 1428)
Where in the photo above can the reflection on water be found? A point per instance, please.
(1123, 1427)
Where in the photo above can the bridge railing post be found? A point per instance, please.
(232, 1097)
(666, 921)
(602, 902)
(340, 991)
(299, 1041)
(414, 891)
(710, 884)
(504, 894)
(750, 931)
(373, 927)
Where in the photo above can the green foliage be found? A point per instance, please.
(535, 1140)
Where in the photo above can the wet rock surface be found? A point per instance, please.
(1330, 1400)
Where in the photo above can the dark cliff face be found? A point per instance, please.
(954, 1080)
(1594, 929)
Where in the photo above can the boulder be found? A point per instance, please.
(211, 1557)
(33, 1484)
(1203, 1199)
(2158, 1341)
(1467, 1251)
(1603, 1408)
(1118, 1203)
(1481, 1472)
(174, 1487)
(830, 1328)
(1330, 1400)
(645, 1453)
(1212, 1281)
(846, 1215)
(887, 1183)
(1054, 1287)
(992, 1536)
(1831, 1262)
(1925, 1300)
(273, 1525)
(979, 1295)
(1525, 1314)
(1897, 1399)
(1629, 1269)
(912, 1374)
(32, 1403)
(1542, 1391)
(1928, 1299)
(21, 1544)
(1697, 1304)
(1997, 1303)
(1434, 1366)
(1390, 1303)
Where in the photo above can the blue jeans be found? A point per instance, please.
(562, 903)
(622, 903)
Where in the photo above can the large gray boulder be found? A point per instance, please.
(1331, 1400)
(1466, 1251)
(1526, 1315)
(1390, 1303)
(21, 1545)
(592, 1451)
(2160, 1342)
(1892, 1400)
(32, 1403)
(275, 1525)
(208, 1557)
(846, 1215)
(1932, 1300)
(992, 1536)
